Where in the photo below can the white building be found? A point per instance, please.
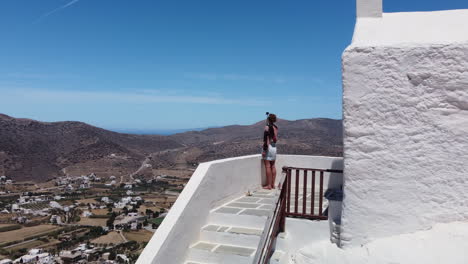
(119, 205)
(35, 256)
(86, 213)
(55, 204)
(56, 219)
(405, 111)
(132, 219)
(15, 207)
(123, 258)
(126, 200)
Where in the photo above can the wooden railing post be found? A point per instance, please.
(312, 198)
(284, 198)
(288, 196)
(296, 198)
(321, 194)
(304, 194)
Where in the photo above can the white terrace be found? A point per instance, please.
(224, 216)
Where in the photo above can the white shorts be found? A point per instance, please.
(271, 152)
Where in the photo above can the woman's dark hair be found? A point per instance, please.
(272, 118)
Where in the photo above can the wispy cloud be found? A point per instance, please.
(72, 2)
(234, 77)
(125, 97)
(34, 76)
(253, 78)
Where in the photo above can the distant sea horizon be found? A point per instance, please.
(162, 132)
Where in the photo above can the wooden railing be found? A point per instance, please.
(303, 195)
(287, 200)
(274, 224)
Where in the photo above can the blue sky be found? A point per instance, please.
(177, 64)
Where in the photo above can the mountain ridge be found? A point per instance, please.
(35, 150)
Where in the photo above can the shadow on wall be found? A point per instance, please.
(336, 179)
(334, 195)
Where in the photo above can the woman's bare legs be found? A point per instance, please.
(273, 174)
(268, 174)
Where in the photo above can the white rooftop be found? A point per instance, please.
(222, 214)
(443, 243)
(438, 27)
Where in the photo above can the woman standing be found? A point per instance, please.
(270, 137)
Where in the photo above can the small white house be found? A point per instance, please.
(86, 213)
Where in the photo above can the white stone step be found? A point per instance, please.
(222, 254)
(247, 221)
(228, 238)
(233, 230)
(281, 245)
(277, 257)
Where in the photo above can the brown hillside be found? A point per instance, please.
(33, 150)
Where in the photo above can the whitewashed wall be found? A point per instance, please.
(210, 185)
(406, 134)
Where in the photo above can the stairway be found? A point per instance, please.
(233, 231)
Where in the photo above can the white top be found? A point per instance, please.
(438, 27)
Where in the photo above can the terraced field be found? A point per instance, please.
(112, 237)
(27, 232)
(139, 236)
(36, 206)
(92, 221)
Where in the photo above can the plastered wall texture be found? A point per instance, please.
(405, 111)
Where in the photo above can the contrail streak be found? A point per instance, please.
(72, 2)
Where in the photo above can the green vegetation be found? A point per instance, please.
(99, 216)
(76, 239)
(34, 223)
(10, 228)
(110, 221)
(156, 221)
